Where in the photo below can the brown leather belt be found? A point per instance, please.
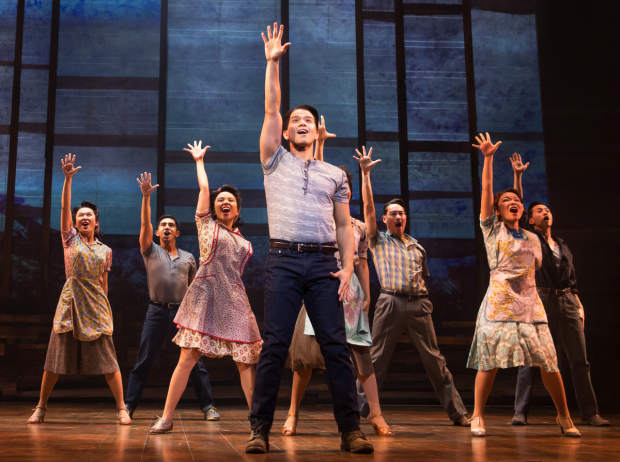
(301, 247)
(169, 305)
(400, 294)
(558, 292)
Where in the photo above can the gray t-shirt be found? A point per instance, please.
(300, 198)
(168, 277)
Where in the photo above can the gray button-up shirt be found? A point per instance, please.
(300, 198)
(168, 277)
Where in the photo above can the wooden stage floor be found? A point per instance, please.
(89, 432)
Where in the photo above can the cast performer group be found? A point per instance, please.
(317, 292)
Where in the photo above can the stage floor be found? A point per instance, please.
(89, 432)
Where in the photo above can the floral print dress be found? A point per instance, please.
(511, 329)
(215, 316)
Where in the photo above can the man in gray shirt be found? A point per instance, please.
(304, 199)
(169, 271)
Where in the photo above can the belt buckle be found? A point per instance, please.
(299, 244)
(411, 296)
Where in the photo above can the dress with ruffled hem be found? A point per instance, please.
(213, 347)
(511, 344)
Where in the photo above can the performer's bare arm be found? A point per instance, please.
(320, 143)
(363, 274)
(271, 135)
(488, 149)
(518, 168)
(66, 222)
(198, 153)
(104, 282)
(146, 227)
(366, 165)
(346, 243)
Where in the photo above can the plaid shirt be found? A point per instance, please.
(399, 266)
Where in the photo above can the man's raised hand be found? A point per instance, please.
(67, 166)
(273, 46)
(517, 164)
(486, 146)
(145, 184)
(198, 152)
(366, 163)
(323, 133)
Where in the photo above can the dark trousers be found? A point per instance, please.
(290, 278)
(567, 331)
(158, 327)
(392, 316)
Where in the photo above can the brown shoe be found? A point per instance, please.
(595, 420)
(258, 442)
(356, 442)
(463, 421)
(519, 418)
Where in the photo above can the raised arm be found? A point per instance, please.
(488, 149)
(323, 135)
(366, 165)
(271, 134)
(518, 168)
(66, 222)
(198, 153)
(146, 227)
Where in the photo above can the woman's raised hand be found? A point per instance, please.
(67, 166)
(198, 152)
(273, 46)
(366, 163)
(487, 148)
(323, 133)
(517, 164)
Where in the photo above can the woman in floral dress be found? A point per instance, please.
(215, 318)
(511, 329)
(81, 340)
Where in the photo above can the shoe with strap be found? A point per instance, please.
(380, 431)
(356, 442)
(211, 414)
(290, 430)
(161, 426)
(567, 427)
(123, 420)
(477, 427)
(258, 442)
(38, 416)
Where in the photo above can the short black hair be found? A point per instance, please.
(235, 192)
(306, 107)
(392, 202)
(94, 208)
(349, 176)
(532, 205)
(176, 222)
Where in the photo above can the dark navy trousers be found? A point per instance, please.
(158, 327)
(290, 278)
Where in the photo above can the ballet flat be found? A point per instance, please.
(380, 431)
(37, 419)
(161, 426)
(567, 427)
(291, 431)
(477, 427)
(123, 420)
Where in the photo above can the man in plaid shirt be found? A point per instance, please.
(401, 265)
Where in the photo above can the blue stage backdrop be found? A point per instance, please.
(105, 81)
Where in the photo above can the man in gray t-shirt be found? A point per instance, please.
(169, 271)
(305, 197)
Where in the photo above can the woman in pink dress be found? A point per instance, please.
(215, 318)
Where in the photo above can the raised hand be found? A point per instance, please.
(198, 152)
(517, 165)
(487, 148)
(323, 133)
(145, 184)
(273, 47)
(67, 166)
(366, 163)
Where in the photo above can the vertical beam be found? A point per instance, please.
(12, 167)
(401, 90)
(49, 156)
(285, 81)
(163, 100)
(473, 152)
(361, 89)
